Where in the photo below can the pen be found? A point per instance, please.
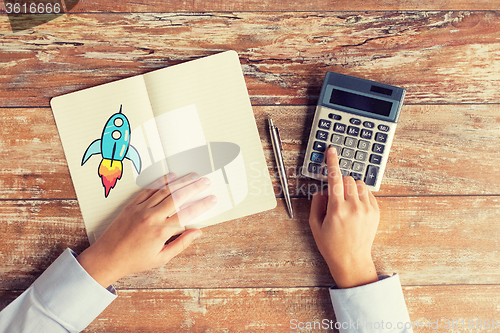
(278, 156)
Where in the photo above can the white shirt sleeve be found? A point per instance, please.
(65, 298)
(375, 307)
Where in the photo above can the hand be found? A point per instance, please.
(344, 222)
(135, 240)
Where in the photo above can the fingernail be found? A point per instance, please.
(206, 180)
(194, 176)
(213, 198)
(196, 235)
(171, 176)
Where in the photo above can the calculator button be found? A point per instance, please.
(355, 121)
(344, 173)
(339, 128)
(371, 175)
(352, 130)
(365, 145)
(337, 139)
(383, 128)
(375, 159)
(322, 135)
(349, 153)
(319, 146)
(378, 148)
(325, 171)
(356, 176)
(381, 137)
(345, 164)
(317, 157)
(366, 134)
(314, 168)
(324, 124)
(358, 167)
(350, 142)
(361, 156)
(339, 149)
(368, 124)
(334, 116)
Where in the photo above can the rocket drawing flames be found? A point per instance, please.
(114, 146)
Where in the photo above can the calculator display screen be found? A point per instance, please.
(360, 102)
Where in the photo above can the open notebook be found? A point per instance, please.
(192, 117)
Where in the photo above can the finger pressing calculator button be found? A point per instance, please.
(345, 164)
(334, 116)
(368, 124)
(375, 159)
(356, 176)
(319, 146)
(383, 128)
(364, 145)
(350, 142)
(324, 124)
(378, 148)
(366, 134)
(352, 130)
(317, 157)
(371, 175)
(344, 172)
(339, 149)
(337, 139)
(355, 121)
(314, 168)
(349, 153)
(322, 135)
(339, 128)
(381, 137)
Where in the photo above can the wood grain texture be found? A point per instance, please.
(427, 240)
(273, 309)
(84, 6)
(438, 149)
(439, 57)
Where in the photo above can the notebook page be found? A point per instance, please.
(81, 118)
(206, 104)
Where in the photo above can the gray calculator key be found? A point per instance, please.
(319, 146)
(381, 137)
(345, 164)
(325, 171)
(324, 124)
(356, 176)
(375, 159)
(322, 135)
(344, 173)
(349, 153)
(339, 149)
(384, 128)
(358, 167)
(350, 142)
(339, 128)
(353, 130)
(378, 148)
(337, 139)
(364, 145)
(314, 168)
(371, 175)
(317, 157)
(366, 134)
(361, 155)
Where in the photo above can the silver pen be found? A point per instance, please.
(278, 156)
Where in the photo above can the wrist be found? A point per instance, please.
(96, 268)
(354, 274)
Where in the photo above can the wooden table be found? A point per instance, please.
(439, 200)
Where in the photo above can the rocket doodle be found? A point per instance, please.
(114, 146)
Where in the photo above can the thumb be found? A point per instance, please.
(179, 244)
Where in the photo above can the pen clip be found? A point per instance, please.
(279, 139)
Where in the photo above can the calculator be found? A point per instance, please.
(358, 117)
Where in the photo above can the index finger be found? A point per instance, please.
(335, 183)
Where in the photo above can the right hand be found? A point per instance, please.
(344, 222)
